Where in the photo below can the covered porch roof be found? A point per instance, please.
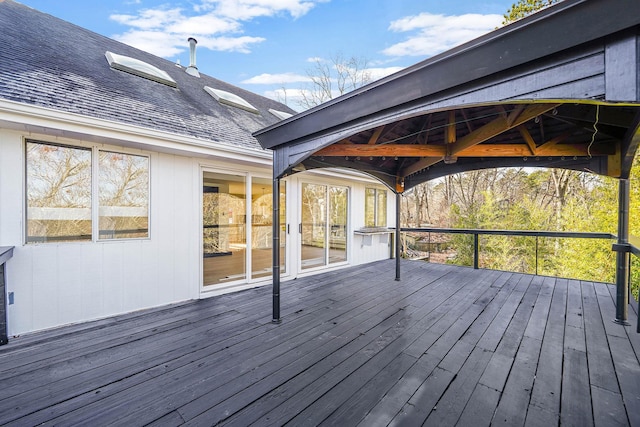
(559, 88)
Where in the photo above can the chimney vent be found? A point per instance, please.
(192, 69)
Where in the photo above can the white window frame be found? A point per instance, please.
(95, 202)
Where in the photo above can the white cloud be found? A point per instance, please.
(290, 97)
(437, 33)
(156, 42)
(164, 31)
(378, 73)
(247, 9)
(276, 79)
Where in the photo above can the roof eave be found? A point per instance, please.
(542, 34)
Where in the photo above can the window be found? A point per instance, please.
(228, 98)
(124, 195)
(139, 68)
(280, 114)
(59, 199)
(58, 193)
(375, 207)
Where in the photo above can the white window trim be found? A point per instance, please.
(95, 152)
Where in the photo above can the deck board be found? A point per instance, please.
(446, 345)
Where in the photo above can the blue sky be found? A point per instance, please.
(269, 45)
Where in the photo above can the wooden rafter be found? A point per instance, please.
(528, 139)
(451, 127)
(419, 165)
(553, 142)
(500, 125)
(466, 120)
(376, 134)
(513, 115)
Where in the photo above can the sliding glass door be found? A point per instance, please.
(223, 228)
(227, 201)
(324, 225)
(262, 227)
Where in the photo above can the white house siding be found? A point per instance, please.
(60, 283)
(55, 284)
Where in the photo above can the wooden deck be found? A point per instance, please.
(445, 346)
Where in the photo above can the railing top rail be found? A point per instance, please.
(532, 233)
(6, 252)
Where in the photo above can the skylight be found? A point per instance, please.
(280, 114)
(228, 98)
(139, 68)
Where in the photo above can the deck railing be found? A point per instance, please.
(634, 246)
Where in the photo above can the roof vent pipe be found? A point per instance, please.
(192, 69)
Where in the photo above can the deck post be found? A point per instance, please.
(622, 253)
(276, 250)
(475, 251)
(398, 237)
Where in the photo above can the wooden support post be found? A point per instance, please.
(475, 250)
(398, 237)
(622, 253)
(276, 250)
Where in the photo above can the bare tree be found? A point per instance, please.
(332, 78)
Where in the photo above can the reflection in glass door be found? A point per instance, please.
(324, 225)
(261, 227)
(338, 224)
(224, 228)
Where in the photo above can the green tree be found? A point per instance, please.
(525, 7)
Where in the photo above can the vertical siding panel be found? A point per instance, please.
(92, 298)
(45, 285)
(112, 277)
(132, 278)
(164, 230)
(69, 284)
(185, 217)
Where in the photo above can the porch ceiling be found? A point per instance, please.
(557, 89)
(409, 151)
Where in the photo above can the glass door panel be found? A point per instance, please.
(337, 224)
(261, 227)
(224, 228)
(313, 228)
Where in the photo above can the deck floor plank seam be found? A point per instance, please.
(446, 345)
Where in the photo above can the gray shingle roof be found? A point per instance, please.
(48, 62)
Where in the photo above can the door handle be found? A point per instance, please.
(300, 228)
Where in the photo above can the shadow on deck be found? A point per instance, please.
(446, 345)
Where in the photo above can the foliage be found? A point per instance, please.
(543, 199)
(523, 8)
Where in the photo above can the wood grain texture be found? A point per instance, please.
(446, 345)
